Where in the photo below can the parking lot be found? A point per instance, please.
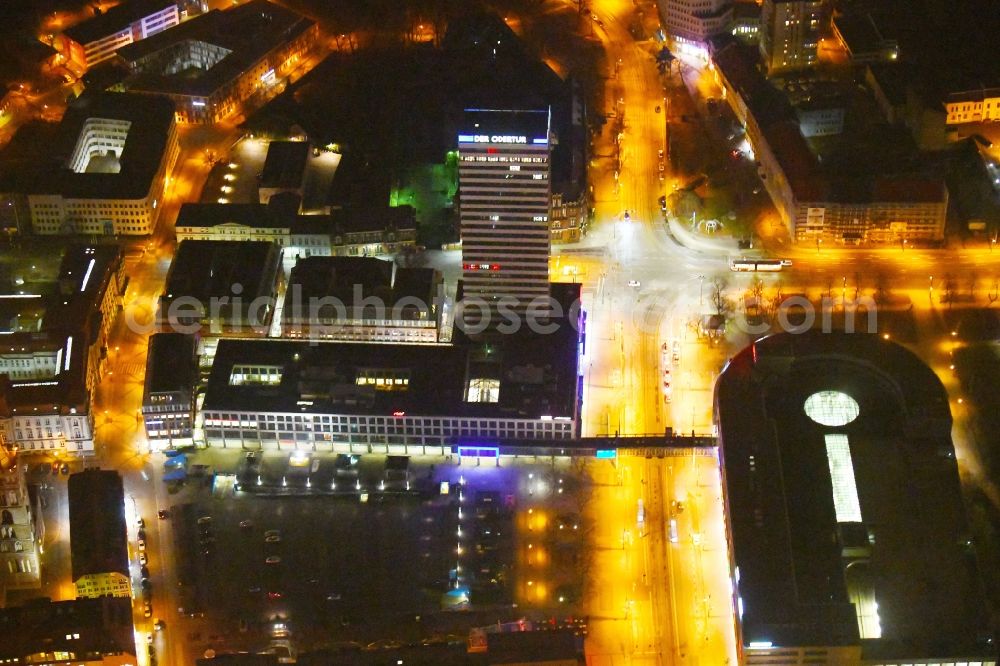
(352, 550)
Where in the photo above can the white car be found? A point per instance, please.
(142, 545)
(142, 559)
(633, 283)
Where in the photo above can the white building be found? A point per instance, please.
(505, 198)
(104, 176)
(694, 22)
(133, 20)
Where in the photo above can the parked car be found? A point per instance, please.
(142, 559)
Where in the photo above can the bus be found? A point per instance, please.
(754, 265)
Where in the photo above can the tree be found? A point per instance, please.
(719, 299)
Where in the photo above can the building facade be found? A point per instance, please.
(569, 217)
(167, 397)
(20, 534)
(347, 232)
(694, 22)
(789, 33)
(100, 37)
(973, 106)
(505, 198)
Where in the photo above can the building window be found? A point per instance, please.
(483, 390)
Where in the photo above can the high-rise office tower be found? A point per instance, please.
(505, 194)
(789, 32)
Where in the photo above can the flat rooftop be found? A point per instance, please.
(207, 269)
(170, 363)
(532, 124)
(285, 164)
(68, 305)
(851, 530)
(350, 280)
(44, 168)
(80, 626)
(97, 532)
(533, 374)
(207, 215)
(241, 36)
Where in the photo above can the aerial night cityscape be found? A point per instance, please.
(446, 332)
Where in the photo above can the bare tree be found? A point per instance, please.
(719, 299)
(949, 289)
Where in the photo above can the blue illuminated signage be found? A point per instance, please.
(479, 451)
(606, 454)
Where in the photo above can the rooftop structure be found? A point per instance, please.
(102, 172)
(524, 384)
(211, 64)
(848, 536)
(131, 21)
(355, 298)
(284, 169)
(862, 39)
(98, 538)
(226, 285)
(85, 630)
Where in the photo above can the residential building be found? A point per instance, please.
(692, 23)
(848, 538)
(221, 287)
(97, 534)
(366, 299)
(167, 396)
(55, 353)
(101, 172)
(21, 529)
(210, 65)
(98, 39)
(860, 36)
(81, 631)
(570, 215)
(789, 33)
(505, 197)
(973, 106)
(284, 169)
(398, 399)
(842, 206)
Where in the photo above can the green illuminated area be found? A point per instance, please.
(430, 189)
